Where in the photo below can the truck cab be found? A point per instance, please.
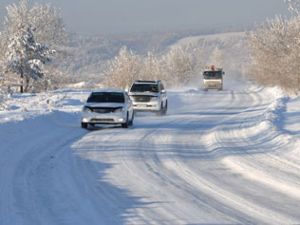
(213, 78)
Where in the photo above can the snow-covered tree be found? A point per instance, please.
(275, 50)
(45, 20)
(28, 34)
(48, 24)
(293, 6)
(26, 57)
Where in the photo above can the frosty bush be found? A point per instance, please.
(178, 68)
(123, 69)
(175, 68)
(275, 50)
(151, 68)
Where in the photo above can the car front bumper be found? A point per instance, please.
(213, 84)
(146, 106)
(103, 118)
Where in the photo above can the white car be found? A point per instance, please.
(149, 96)
(109, 106)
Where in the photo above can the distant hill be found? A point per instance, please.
(232, 47)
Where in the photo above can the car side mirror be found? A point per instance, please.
(223, 73)
(163, 91)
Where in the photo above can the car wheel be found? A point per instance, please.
(125, 125)
(161, 110)
(84, 125)
(165, 108)
(131, 121)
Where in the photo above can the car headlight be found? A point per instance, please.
(86, 109)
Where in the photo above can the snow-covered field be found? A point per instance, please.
(227, 157)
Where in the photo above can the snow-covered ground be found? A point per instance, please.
(218, 157)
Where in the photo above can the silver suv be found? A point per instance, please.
(149, 96)
(107, 106)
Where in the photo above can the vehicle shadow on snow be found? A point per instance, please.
(103, 127)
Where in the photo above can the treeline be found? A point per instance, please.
(275, 50)
(181, 64)
(177, 67)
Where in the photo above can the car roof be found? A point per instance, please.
(146, 81)
(108, 90)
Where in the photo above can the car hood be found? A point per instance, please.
(104, 105)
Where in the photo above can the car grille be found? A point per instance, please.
(104, 110)
(142, 98)
(214, 85)
(102, 120)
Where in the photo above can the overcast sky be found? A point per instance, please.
(125, 16)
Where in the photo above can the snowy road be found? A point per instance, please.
(229, 157)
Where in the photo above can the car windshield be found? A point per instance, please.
(209, 75)
(99, 97)
(144, 88)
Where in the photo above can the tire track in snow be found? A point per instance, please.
(177, 167)
(256, 167)
(255, 209)
(154, 166)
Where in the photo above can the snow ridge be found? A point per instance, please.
(274, 113)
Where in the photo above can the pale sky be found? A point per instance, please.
(125, 16)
